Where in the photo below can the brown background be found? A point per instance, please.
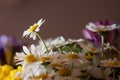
(63, 17)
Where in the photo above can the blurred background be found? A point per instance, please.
(63, 17)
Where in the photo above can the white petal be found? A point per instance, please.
(33, 35)
(26, 33)
(37, 29)
(58, 41)
(26, 50)
(20, 56)
(91, 27)
(20, 63)
(40, 22)
(114, 26)
(32, 48)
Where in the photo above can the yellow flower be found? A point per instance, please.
(6, 70)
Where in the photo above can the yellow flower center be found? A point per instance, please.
(89, 56)
(93, 50)
(43, 76)
(64, 72)
(31, 58)
(56, 65)
(72, 56)
(44, 59)
(32, 28)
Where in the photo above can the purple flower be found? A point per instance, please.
(2, 55)
(111, 36)
(92, 36)
(8, 47)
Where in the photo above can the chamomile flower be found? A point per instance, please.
(53, 43)
(33, 29)
(27, 55)
(35, 72)
(110, 63)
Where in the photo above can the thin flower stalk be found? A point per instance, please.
(42, 41)
(103, 74)
(102, 55)
(113, 70)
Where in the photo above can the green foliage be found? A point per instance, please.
(73, 47)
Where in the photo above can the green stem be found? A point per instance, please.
(60, 51)
(103, 74)
(102, 55)
(42, 41)
(113, 74)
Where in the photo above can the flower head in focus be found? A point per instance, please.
(33, 29)
(27, 55)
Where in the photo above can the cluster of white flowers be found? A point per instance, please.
(49, 66)
(60, 59)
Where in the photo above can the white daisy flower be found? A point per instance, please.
(34, 71)
(27, 55)
(93, 71)
(98, 28)
(52, 43)
(70, 41)
(115, 63)
(58, 41)
(33, 29)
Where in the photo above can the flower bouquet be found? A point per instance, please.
(93, 58)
